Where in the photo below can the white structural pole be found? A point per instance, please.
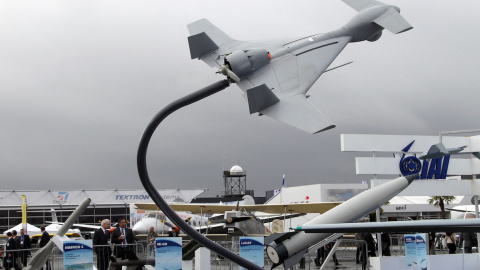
(475, 198)
(379, 235)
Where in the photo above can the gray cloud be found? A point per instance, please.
(81, 79)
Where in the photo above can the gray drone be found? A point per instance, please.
(275, 77)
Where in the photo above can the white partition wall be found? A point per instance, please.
(380, 164)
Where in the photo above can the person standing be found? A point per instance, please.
(468, 240)
(174, 232)
(368, 248)
(17, 246)
(123, 238)
(385, 244)
(23, 242)
(359, 242)
(10, 257)
(431, 242)
(100, 245)
(451, 239)
(151, 241)
(370, 244)
(43, 242)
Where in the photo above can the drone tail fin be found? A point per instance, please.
(390, 19)
(205, 38)
(393, 21)
(260, 98)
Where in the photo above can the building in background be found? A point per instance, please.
(107, 203)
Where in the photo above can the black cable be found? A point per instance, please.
(152, 191)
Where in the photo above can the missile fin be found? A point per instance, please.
(292, 260)
(279, 237)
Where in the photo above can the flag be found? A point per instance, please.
(283, 183)
(24, 213)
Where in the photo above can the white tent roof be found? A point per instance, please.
(31, 230)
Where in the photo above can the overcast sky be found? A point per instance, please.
(80, 80)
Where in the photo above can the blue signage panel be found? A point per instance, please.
(410, 251)
(251, 248)
(168, 253)
(422, 263)
(77, 254)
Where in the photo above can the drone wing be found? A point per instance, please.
(320, 208)
(278, 89)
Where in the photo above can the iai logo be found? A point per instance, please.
(435, 169)
(62, 197)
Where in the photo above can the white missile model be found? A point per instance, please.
(41, 256)
(290, 251)
(426, 226)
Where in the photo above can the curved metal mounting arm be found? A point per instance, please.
(152, 191)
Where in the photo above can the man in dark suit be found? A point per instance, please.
(123, 238)
(10, 257)
(100, 245)
(43, 242)
(23, 242)
(17, 246)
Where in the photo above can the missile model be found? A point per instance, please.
(289, 248)
(425, 226)
(41, 256)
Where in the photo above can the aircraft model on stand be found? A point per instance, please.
(275, 76)
(439, 150)
(244, 219)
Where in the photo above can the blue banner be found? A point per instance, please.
(251, 248)
(410, 251)
(422, 263)
(168, 253)
(77, 254)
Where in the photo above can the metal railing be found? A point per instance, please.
(347, 254)
(103, 254)
(16, 258)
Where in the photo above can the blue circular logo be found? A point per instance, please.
(410, 165)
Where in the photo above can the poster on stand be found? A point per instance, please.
(410, 251)
(422, 262)
(77, 254)
(168, 253)
(251, 248)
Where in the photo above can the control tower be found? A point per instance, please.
(235, 182)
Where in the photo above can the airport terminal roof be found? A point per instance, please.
(99, 197)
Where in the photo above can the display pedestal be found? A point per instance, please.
(447, 261)
(202, 259)
(187, 265)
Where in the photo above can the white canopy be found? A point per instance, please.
(31, 230)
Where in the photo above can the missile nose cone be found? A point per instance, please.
(410, 178)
